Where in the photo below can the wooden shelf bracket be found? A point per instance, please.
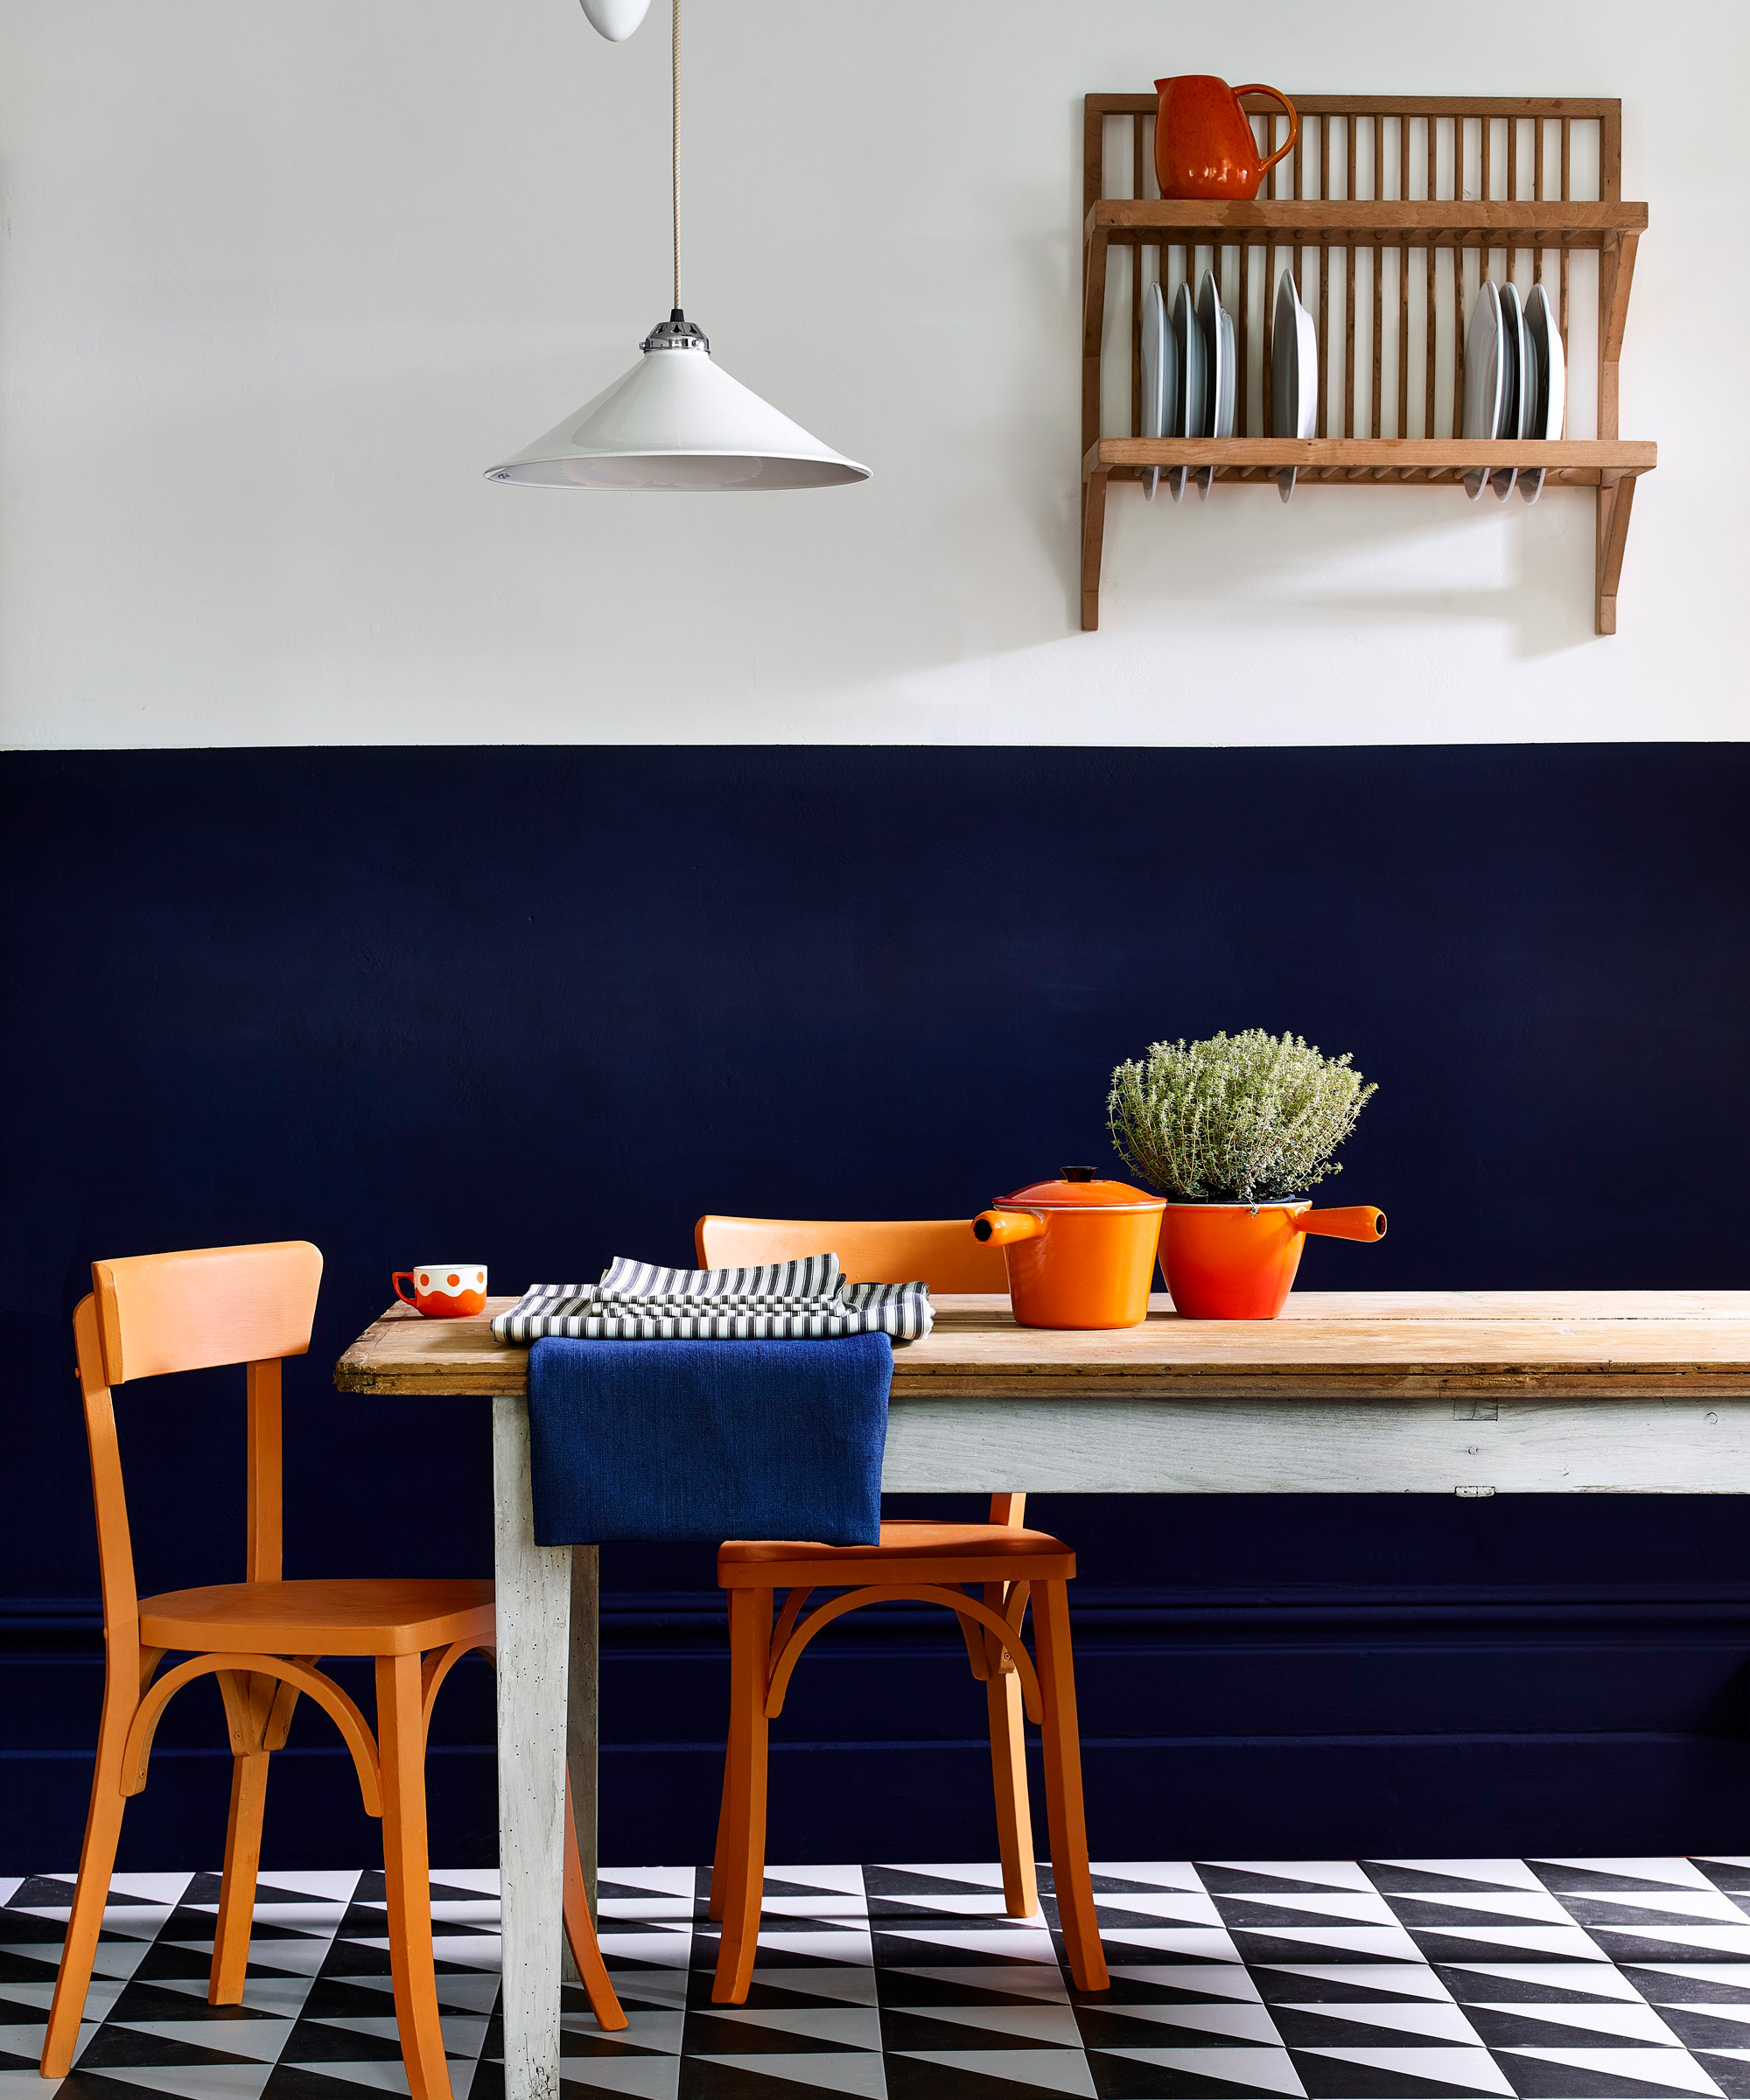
(1615, 498)
(1093, 544)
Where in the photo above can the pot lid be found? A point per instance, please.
(1078, 1188)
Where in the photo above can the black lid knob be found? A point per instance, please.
(1079, 1174)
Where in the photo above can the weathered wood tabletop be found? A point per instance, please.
(1333, 1344)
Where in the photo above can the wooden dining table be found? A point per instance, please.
(1466, 1393)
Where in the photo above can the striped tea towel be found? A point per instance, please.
(785, 1301)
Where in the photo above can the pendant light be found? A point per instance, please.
(677, 421)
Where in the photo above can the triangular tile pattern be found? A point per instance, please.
(1268, 1979)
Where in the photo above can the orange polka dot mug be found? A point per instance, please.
(444, 1290)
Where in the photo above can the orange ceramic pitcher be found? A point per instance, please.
(1203, 142)
(1237, 1260)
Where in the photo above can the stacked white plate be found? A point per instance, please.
(1548, 396)
(1160, 379)
(1194, 380)
(1216, 324)
(1516, 377)
(1515, 380)
(1293, 372)
(1190, 384)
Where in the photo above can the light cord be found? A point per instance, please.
(674, 135)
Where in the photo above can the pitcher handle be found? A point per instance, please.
(1276, 94)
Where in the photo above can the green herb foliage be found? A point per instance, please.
(1246, 1118)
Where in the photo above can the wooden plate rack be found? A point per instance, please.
(1390, 210)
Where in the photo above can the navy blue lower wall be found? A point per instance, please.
(539, 1006)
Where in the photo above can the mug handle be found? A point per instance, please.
(401, 1277)
(1276, 94)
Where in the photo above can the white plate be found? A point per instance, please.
(1514, 404)
(1309, 371)
(1548, 418)
(1160, 378)
(1226, 414)
(1294, 373)
(1218, 343)
(1485, 376)
(1193, 380)
(1530, 380)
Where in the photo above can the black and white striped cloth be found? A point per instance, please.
(785, 1301)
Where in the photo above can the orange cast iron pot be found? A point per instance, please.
(1081, 1253)
(1237, 1260)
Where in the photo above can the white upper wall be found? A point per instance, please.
(280, 277)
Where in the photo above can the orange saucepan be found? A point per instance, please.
(1237, 1260)
(1081, 1251)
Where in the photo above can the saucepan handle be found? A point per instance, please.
(1359, 1222)
(1002, 1228)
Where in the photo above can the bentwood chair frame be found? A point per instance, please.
(262, 1640)
(988, 1575)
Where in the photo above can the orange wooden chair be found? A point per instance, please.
(1006, 1564)
(262, 1639)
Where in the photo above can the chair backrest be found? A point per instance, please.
(940, 1252)
(156, 1312)
(187, 1312)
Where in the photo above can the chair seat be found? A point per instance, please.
(909, 1552)
(326, 1617)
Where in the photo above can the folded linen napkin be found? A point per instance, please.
(637, 1301)
(673, 1440)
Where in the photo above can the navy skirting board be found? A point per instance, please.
(537, 1007)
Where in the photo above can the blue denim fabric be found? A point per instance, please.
(709, 1440)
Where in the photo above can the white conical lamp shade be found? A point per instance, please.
(677, 421)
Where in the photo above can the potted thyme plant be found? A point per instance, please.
(1233, 1131)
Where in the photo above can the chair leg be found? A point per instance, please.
(237, 1889)
(580, 1932)
(1009, 1780)
(1064, 1814)
(96, 1863)
(750, 1636)
(406, 1875)
(719, 1880)
(1003, 1707)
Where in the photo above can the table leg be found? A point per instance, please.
(580, 1735)
(533, 1597)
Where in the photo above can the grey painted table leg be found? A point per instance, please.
(533, 1600)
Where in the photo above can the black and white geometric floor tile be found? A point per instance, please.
(1383, 1979)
